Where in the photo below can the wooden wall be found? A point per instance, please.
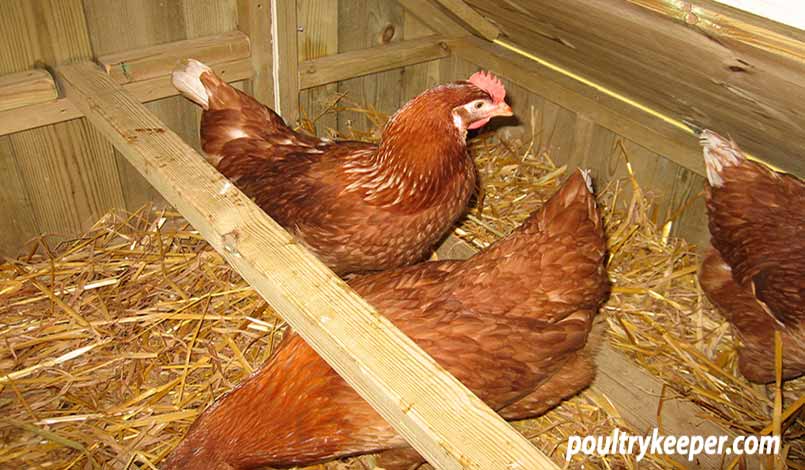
(578, 141)
(333, 26)
(60, 179)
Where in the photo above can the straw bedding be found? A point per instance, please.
(112, 343)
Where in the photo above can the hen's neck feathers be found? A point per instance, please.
(421, 154)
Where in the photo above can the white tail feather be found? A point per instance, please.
(719, 153)
(588, 180)
(187, 79)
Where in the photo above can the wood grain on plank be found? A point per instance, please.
(254, 19)
(285, 59)
(469, 16)
(26, 88)
(318, 37)
(419, 77)
(364, 24)
(153, 61)
(714, 68)
(371, 61)
(435, 17)
(146, 91)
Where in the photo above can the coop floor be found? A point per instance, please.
(114, 342)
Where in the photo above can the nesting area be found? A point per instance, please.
(113, 342)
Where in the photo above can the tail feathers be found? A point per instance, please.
(187, 79)
(571, 207)
(719, 153)
(577, 188)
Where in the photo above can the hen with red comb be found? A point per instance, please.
(359, 206)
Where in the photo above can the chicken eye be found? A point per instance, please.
(479, 105)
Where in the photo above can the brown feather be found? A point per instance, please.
(506, 322)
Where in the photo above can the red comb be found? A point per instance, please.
(490, 84)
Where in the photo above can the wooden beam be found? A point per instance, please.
(432, 410)
(285, 62)
(650, 132)
(26, 88)
(254, 20)
(435, 18)
(145, 73)
(731, 71)
(60, 110)
(475, 20)
(157, 61)
(335, 68)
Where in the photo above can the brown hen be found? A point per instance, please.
(510, 323)
(755, 272)
(358, 206)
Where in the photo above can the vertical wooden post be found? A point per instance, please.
(285, 59)
(254, 19)
(318, 22)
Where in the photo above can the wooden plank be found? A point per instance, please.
(435, 18)
(655, 134)
(364, 24)
(313, 73)
(468, 15)
(26, 88)
(712, 18)
(152, 62)
(285, 59)
(67, 171)
(432, 410)
(722, 68)
(318, 37)
(254, 19)
(206, 17)
(418, 77)
(348, 65)
(19, 224)
(153, 89)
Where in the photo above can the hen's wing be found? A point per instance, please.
(739, 306)
(291, 182)
(757, 218)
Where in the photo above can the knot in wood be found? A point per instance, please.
(388, 34)
(230, 242)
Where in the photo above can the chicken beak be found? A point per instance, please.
(502, 109)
